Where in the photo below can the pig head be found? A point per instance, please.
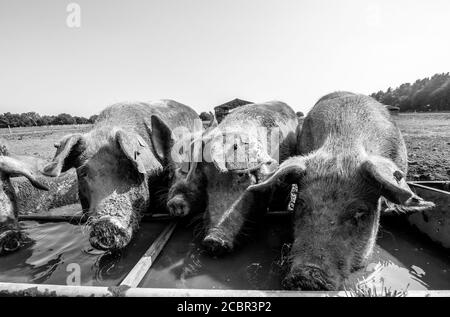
(223, 164)
(354, 161)
(116, 168)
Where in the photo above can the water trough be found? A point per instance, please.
(164, 260)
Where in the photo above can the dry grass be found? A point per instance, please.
(38, 141)
(362, 290)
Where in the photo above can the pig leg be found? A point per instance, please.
(221, 237)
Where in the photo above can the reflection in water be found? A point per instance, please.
(402, 259)
(255, 265)
(405, 259)
(53, 246)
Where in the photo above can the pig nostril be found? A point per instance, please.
(10, 241)
(11, 245)
(106, 236)
(309, 278)
(216, 246)
(105, 244)
(178, 207)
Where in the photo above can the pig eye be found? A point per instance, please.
(82, 172)
(360, 212)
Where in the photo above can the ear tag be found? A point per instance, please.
(398, 176)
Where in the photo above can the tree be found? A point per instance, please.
(81, 120)
(427, 94)
(205, 116)
(29, 119)
(64, 118)
(93, 118)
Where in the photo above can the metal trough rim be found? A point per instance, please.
(49, 290)
(422, 185)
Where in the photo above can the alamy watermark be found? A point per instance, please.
(74, 278)
(73, 19)
(234, 145)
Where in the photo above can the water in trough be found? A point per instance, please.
(403, 259)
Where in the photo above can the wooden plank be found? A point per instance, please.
(144, 264)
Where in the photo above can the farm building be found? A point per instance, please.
(224, 109)
(393, 110)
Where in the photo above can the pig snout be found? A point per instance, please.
(10, 241)
(178, 206)
(107, 233)
(309, 278)
(216, 243)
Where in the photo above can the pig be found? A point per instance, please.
(10, 166)
(184, 195)
(225, 161)
(352, 157)
(122, 165)
(31, 193)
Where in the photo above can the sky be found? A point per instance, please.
(206, 52)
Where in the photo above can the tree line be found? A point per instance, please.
(428, 94)
(30, 119)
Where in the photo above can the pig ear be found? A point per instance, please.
(133, 148)
(384, 175)
(14, 167)
(213, 123)
(66, 157)
(291, 171)
(161, 138)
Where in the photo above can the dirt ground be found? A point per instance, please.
(427, 137)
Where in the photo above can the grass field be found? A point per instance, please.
(38, 141)
(427, 136)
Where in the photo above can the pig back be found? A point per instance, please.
(135, 115)
(350, 123)
(275, 115)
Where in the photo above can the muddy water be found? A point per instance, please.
(255, 265)
(55, 250)
(407, 259)
(403, 259)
